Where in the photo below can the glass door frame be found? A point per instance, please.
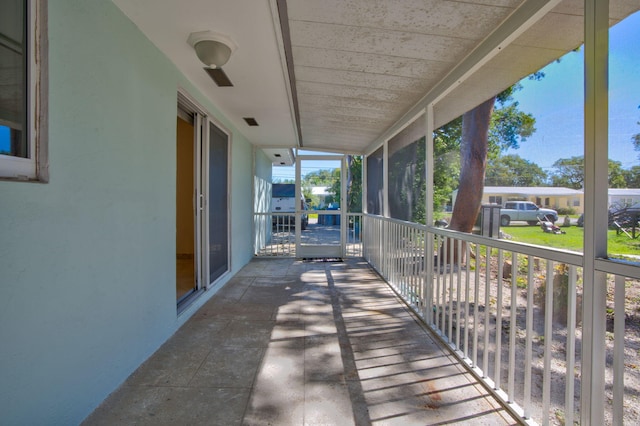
(321, 250)
(202, 122)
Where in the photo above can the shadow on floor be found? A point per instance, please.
(287, 342)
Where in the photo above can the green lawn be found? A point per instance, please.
(572, 240)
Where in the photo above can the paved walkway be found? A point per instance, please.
(301, 343)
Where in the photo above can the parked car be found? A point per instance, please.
(525, 211)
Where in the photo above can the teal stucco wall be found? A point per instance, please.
(87, 270)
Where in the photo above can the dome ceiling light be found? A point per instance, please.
(213, 49)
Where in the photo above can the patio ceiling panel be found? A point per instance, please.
(360, 79)
(336, 102)
(544, 42)
(367, 64)
(550, 38)
(384, 55)
(360, 66)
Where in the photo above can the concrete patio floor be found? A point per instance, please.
(287, 342)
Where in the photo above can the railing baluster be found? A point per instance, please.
(618, 350)
(497, 365)
(427, 277)
(513, 327)
(400, 251)
(571, 346)
(476, 296)
(396, 255)
(529, 341)
(458, 294)
(466, 298)
(443, 308)
(450, 295)
(487, 312)
(414, 267)
(436, 293)
(548, 340)
(403, 262)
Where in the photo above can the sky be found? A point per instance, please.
(556, 102)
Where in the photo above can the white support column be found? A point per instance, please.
(385, 179)
(428, 249)
(365, 171)
(298, 211)
(344, 213)
(596, 120)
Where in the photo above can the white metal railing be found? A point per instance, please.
(487, 300)
(353, 247)
(275, 235)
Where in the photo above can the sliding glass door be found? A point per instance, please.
(202, 202)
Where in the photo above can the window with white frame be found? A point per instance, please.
(22, 106)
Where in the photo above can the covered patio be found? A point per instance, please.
(131, 156)
(288, 342)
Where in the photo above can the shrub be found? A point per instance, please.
(563, 211)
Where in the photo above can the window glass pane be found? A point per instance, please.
(624, 134)
(407, 173)
(375, 182)
(13, 95)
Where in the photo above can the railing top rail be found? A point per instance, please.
(398, 221)
(618, 267)
(558, 255)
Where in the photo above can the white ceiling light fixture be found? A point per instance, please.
(213, 49)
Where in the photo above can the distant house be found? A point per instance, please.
(322, 192)
(544, 196)
(624, 196)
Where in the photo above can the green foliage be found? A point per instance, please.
(564, 211)
(446, 162)
(632, 175)
(513, 170)
(572, 240)
(616, 175)
(324, 177)
(636, 140)
(312, 200)
(570, 173)
(354, 184)
(617, 245)
(331, 179)
(508, 128)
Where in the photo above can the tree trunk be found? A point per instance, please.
(473, 162)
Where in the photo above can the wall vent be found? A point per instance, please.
(251, 121)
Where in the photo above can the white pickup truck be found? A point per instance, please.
(525, 211)
(283, 206)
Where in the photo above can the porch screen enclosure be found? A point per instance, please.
(552, 331)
